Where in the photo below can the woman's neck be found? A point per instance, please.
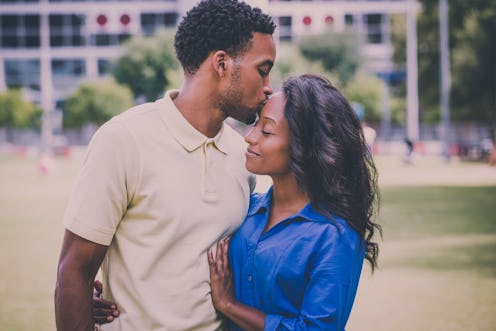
(287, 200)
(286, 192)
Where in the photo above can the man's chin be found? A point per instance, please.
(251, 120)
(248, 120)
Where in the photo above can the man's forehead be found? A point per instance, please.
(262, 48)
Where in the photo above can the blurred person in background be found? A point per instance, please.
(409, 150)
(163, 182)
(492, 156)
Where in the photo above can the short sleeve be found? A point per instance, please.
(104, 185)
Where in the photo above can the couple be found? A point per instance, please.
(164, 182)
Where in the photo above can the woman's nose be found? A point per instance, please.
(250, 136)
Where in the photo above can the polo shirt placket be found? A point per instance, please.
(209, 187)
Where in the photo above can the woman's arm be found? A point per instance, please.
(104, 311)
(223, 296)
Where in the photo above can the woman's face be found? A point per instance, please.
(268, 149)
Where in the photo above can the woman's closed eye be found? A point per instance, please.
(266, 133)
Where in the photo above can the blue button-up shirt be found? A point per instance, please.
(303, 272)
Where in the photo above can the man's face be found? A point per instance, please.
(249, 84)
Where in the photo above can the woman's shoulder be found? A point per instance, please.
(334, 225)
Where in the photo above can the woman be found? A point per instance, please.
(297, 258)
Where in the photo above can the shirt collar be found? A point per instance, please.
(261, 203)
(310, 214)
(184, 133)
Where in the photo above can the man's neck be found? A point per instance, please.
(198, 106)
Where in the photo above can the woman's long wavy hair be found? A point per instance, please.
(329, 156)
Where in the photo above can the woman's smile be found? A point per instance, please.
(251, 153)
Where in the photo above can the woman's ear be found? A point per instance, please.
(221, 62)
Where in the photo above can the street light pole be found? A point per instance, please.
(445, 76)
(412, 72)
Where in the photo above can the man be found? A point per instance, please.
(163, 181)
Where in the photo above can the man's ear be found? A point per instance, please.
(221, 63)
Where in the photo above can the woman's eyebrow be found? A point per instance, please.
(270, 119)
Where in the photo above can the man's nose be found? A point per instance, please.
(268, 88)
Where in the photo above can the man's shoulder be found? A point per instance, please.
(142, 111)
(138, 120)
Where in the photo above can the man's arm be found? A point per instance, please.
(78, 264)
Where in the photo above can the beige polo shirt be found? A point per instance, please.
(160, 194)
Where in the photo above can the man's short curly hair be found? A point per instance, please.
(218, 25)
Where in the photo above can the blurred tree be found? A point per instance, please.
(291, 62)
(398, 38)
(95, 103)
(17, 112)
(146, 64)
(338, 53)
(398, 110)
(474, 63)
(473, 50)
(366, 90)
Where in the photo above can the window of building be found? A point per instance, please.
(374, 28)
(67, 72)
(109, 39)
(285, 27)
(151, 22)
(349, 20)
(101, 39)
(104, 66)
(7, 1)
(19, 31)
(66, 30)
(122, 37)
(22, 73)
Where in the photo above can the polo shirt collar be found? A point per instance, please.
(184, 133)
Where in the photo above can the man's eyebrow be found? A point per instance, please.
(268, 63)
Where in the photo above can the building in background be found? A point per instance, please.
(48, 46)
(73, 39)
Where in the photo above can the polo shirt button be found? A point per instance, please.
(250, 278)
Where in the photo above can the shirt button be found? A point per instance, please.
(250, 278)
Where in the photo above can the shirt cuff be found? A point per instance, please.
(98, 236)
(272, 322)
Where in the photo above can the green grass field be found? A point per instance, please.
(437, 263)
